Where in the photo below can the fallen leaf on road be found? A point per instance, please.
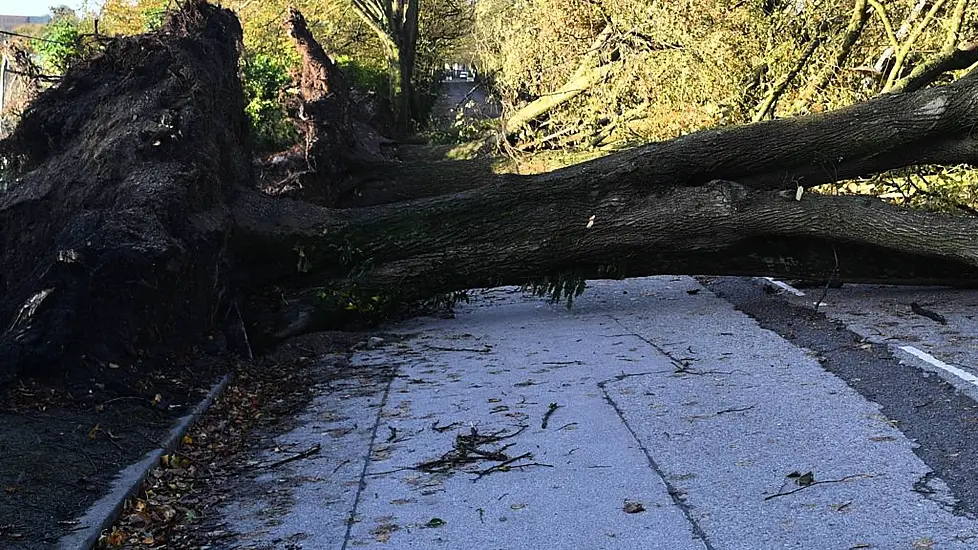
(435, 522)
(633, 507)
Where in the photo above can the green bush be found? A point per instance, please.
(264, 79)
(153, 18)
(60, 45)
(364, 77)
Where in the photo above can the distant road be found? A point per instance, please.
(477, 103)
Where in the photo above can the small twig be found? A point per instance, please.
(735, 410)
(304, 454)
(546, 416)
(527, 465)
(125, 398)
(814, 483)
(718, 413)
(934, 316)
(498, 437)
(440, 429)
(485, 349)
(395, 470)
(501, 466)
(832, 276)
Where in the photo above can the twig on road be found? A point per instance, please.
(814, 483)
(546, 416)
(932, 315)
(304, 454)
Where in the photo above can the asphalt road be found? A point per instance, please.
(468, 98)
(656, 413)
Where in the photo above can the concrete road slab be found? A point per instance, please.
(672, 421)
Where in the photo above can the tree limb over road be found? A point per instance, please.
(135, 226)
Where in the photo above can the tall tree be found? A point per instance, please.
(396, 23)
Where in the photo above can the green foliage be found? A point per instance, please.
(367, 305)
(60, 45)
(951, 189)
(264, 79)
(467, 126)
(567, 286)
(365, 75)
(153, 18)
(678, 67)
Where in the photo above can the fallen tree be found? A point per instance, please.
(134, 226)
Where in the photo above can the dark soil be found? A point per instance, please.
(61, 444)
(113, 263)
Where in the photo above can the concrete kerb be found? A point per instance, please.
(103, 513)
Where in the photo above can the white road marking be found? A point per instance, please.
(784, 286)
(967, 377)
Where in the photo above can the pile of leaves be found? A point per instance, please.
(171, 507)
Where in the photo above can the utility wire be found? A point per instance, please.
(11, 33)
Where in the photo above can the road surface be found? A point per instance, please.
(657, 413)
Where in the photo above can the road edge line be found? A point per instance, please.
(935, 362)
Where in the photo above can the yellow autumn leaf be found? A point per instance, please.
(116, 538)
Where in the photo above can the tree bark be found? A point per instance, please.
(135, 224)
(396, 24)
(323, 115)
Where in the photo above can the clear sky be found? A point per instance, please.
(41, 7)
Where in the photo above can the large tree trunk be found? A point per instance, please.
(135, 223)
(396, 24)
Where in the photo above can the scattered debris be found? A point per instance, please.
(374, 342)
(298, 456)
(383, 532)
(470, 449)
(546, 416)
(718, 413)
(434, 522)
(483, 349)
(934, 316)
(170, 507)
(801, 479)
(808, 480)
(442, 429)
(633, 507)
